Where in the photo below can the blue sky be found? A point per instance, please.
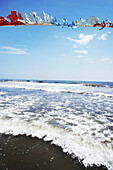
(44, 52)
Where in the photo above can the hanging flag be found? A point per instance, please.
(16, 19)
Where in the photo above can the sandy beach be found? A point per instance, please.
(24, 152)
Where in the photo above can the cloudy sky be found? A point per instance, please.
(57, 53)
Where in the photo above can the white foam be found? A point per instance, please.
(1, 93)
(81, 145)
(52, 87)
(69, 121)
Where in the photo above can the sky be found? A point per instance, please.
(56, 53)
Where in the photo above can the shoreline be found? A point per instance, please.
(25, 152)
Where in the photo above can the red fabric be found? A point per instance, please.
(14, 18)
(97, 24)
(11, 18)
(3, 21)
(110, 24)
(20, 16)
(103, 24)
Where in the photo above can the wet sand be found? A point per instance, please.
(26, 153)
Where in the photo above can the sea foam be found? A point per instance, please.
(80, 123)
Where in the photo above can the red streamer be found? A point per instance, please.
(14, 19)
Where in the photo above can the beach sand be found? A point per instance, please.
(27, 153)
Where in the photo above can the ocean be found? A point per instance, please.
(72, 119)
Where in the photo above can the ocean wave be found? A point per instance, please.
(81, 124)
(1, 93)
(97, 85)
(86, 148)
(85, 83)
(58, 88)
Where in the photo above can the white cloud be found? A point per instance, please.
(81, 51)
(104, 59)
(103, 36)
(82, 56)
(20, 45)
(71, 39)
(109, 32)
(12, 50)
(83, 39)
(74, 46)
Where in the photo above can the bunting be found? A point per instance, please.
(16, 19)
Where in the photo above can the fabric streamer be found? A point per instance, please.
(16, 19)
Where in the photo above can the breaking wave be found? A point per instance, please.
(75, 117)
(63, 88)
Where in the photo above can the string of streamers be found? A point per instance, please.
(16, 19)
